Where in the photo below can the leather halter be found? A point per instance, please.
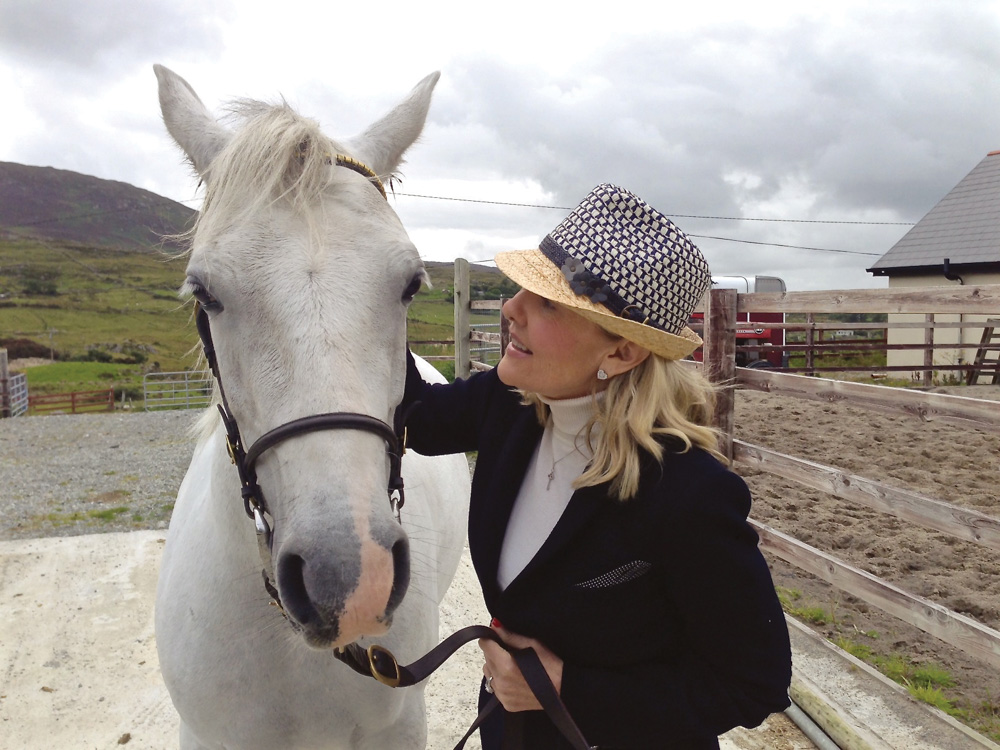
(245, 459)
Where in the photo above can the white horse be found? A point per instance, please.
(305, 274)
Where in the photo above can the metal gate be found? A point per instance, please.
(177, 390)
(14, 395)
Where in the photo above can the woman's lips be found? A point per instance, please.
(518, 346)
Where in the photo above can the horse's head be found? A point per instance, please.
(306, 273)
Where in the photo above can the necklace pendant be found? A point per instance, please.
(552, 476)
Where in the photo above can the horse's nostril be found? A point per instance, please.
(294, 595)
(401, 573)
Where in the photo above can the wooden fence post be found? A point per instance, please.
(504, 330)
(810, 343)
(5, 408)
(928, 352)
(720, 361)
(462, 312)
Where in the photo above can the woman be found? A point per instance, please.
(604, 530)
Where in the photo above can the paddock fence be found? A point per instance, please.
(976, 639)
(77, 402)
(176, 390)
(13, 390)
(722, 311)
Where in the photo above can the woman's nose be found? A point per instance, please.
(513, 307)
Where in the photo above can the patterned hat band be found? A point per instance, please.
(587, 284)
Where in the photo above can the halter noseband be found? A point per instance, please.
(245, 459)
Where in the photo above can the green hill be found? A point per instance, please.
(100, 288)
(57, 204)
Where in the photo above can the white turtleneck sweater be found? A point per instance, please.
(562, 455)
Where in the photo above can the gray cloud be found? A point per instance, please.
(99, 34)
(875, 119)
(873, 115)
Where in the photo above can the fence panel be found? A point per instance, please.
(73, 403)
(177, 390)
(976, 639)
(17, 394)
(13, 395)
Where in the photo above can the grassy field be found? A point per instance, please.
(110, 316)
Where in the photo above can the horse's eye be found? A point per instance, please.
(205, 298)
(412, 288)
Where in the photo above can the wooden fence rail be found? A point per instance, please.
(972, 300)
(980, 641)
(963, 632)
(74, 403)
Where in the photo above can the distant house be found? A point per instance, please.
(957, 242)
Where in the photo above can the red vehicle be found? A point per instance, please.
(752, 329)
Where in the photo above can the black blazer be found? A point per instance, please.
(661, 607)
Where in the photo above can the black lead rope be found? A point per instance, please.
(379, 663)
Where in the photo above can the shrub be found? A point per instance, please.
(24, 349)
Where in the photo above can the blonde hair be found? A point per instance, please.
(659, 398)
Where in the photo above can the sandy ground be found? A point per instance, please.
(954, 464)
(79, 657)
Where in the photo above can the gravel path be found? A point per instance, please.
(63, 475)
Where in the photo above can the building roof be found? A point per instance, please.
(963, 227)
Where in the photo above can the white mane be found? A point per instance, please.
(275, 155)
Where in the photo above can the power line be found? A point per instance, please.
(679, 216)
(778, 244)
(58, 219)
(512, 204)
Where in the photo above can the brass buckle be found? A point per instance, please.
(231, 449)
(374, 651)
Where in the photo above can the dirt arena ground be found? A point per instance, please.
(954, 464)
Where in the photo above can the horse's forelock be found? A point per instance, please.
(275, 155)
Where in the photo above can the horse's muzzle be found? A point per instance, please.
(334, 602)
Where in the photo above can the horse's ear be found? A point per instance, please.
(188, 121)
(382, 145)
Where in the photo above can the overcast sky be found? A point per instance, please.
(863, 114)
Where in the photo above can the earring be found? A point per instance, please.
(601, 375)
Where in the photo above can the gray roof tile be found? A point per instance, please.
(964, 226)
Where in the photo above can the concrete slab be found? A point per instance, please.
(77, 653)
(861, 708)
(78, 666)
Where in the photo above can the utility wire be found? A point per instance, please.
(778, 244)
(679, 216)
(58, 219)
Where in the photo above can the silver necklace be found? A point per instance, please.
(552, 472)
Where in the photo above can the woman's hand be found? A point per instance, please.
(508, 683)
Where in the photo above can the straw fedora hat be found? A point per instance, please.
(620, 263)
